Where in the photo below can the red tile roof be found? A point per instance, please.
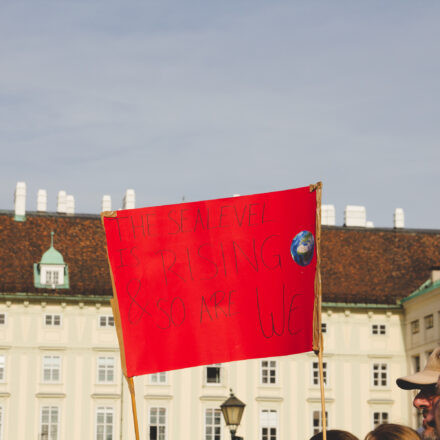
(359, 265)
(80, 239)
(373, 265)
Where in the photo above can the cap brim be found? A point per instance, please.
(418, 380)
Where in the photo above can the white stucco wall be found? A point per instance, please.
(350, 351)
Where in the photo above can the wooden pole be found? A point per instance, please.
(133, 406)
(321, 383)
(318, 343)
(118, 327)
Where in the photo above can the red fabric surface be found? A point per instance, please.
(212, 281)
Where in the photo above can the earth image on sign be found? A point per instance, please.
(302, 248)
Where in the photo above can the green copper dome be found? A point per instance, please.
(52, 256)
(51, 272)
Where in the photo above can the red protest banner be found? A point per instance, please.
(214, 281)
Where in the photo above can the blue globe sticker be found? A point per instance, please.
(302, 248)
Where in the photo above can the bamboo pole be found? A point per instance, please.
(318, 343)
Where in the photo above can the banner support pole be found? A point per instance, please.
(117, 320)
(318, 343)
(321, 384)
(133, 406)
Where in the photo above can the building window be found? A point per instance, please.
(378, 329)
(269, 424)
(49, 423)
(323, 327)
(104, 423)
(52, 320)
(379, 418)
(52, 277)
(268, 372)
(106, 321)
(317, 421)
(380, 375)
(213, 427)
(213, 374)
(51, 368)
(315, 373)
(416, 363)
(2, 368)
(158, 378)
(158, 423)
(106, 369)
(2, 319)
(415, 326)
(429, 321)
(51, 271)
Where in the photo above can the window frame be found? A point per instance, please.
(415, 326)
(380, 417)
(162, 374)
(415, 361)
(105, 410)
(269, 369)
(52, 322)
(317, 429)
(109, 321)
(269, 426)
(158, 424)
(51, 367)
(378, 329)
(49, 423)
(46, 268)
(106, 365)
(2, 369)
(213, 425)
(380, 371)
(429, 321)
(315, 373)
(2, 314)
(220, 375)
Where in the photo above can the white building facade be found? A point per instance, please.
(60, 375)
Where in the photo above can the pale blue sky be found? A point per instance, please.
(204, 99)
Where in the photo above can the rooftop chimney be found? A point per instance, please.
(70, 204)
(399, 218)
(129, 199)
(41, 200)
(106, 204)
(20, 202)
(435, 274)
(328, 216)
(355, 216)
(62, 202)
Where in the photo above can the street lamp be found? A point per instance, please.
(232, 410)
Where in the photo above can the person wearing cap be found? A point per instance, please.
(427, 399)
(437, 409)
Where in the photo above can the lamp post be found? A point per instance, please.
(232, 409)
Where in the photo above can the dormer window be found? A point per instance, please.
(51, 272)
(52, 275)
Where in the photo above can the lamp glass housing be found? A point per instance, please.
(232, 410)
